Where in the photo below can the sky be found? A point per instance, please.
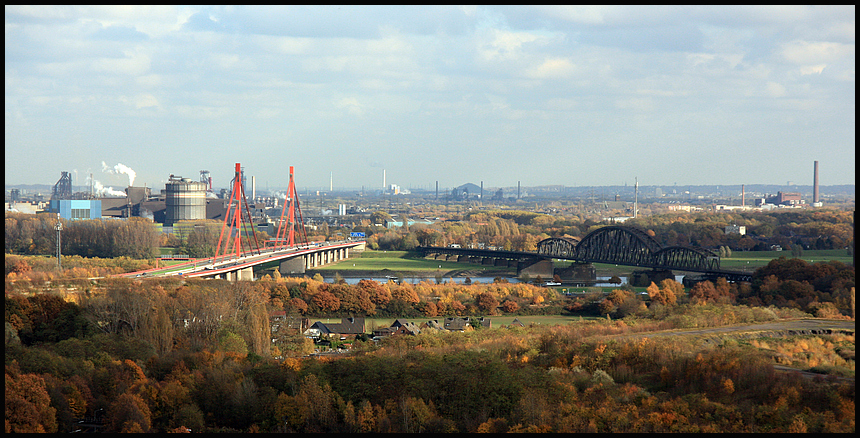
(361, 96)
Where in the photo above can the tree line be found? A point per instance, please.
(36, 235)
(505, 229)
(109, 360)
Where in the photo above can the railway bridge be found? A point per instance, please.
(619, 245)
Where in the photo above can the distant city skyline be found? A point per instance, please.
(541, 95)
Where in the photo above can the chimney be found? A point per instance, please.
(815, 199)
(743, 195)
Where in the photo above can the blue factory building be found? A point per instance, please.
(76, 208)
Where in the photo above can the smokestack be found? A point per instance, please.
(636, 198)
(518, 190)
(437, 189)
(383, 179)
(331, 181)
(815, 185)
(253, 188)
(743, 195)
(482, 190)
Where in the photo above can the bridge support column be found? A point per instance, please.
(245, 274)
(295, 265)
(489, 261)
(542, 268)
(578, 271)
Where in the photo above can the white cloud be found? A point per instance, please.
(556, 68)
(774, 89)
(352, 106)
(812, 69)
(806, 52)
(502, 45)
(134, 64)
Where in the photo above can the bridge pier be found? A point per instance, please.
(542, 268)
(295, 265)
(578, 271)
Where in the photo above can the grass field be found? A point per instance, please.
(398, 261)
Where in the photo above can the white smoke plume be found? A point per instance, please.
(121, 168)
(102, 191)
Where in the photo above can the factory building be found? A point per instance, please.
(76, 208)
(784, 198)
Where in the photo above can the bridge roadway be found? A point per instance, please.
(241, 268)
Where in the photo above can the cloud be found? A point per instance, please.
(352, 106)
(807, 52)
(556, 68)
(774, 89)
(500, 45)
(134, 64)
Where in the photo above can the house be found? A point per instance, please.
(408, 329)
(516, 323)
(348, 326)
(432, 324)
(485, 322)
(384, 331)
(457, 324)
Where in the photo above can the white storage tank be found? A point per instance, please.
(184, 199)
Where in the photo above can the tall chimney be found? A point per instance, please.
(253, 188)
(743, 195)
(815, 185)
(636, 198)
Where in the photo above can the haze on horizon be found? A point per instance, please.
(541, 95)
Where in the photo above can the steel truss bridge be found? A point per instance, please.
(619, 245)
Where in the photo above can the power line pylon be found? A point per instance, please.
(239, 220)
(291, 233)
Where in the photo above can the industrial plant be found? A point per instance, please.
(192, 199)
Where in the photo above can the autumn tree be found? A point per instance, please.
(486, 302)
(28, 406)
(128, 414)
(665, 294)
(510, 306)
(325, 301)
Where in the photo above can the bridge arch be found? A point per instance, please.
(681, 257)
(558, 247)
(615, 244)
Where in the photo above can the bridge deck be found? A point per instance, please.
(206, 267)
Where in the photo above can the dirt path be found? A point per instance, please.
(793, 327)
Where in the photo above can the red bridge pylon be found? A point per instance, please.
(236, 222)
(290, 232)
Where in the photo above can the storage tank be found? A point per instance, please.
(184, 199)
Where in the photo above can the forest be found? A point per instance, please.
(85, 350)
(171, 356)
